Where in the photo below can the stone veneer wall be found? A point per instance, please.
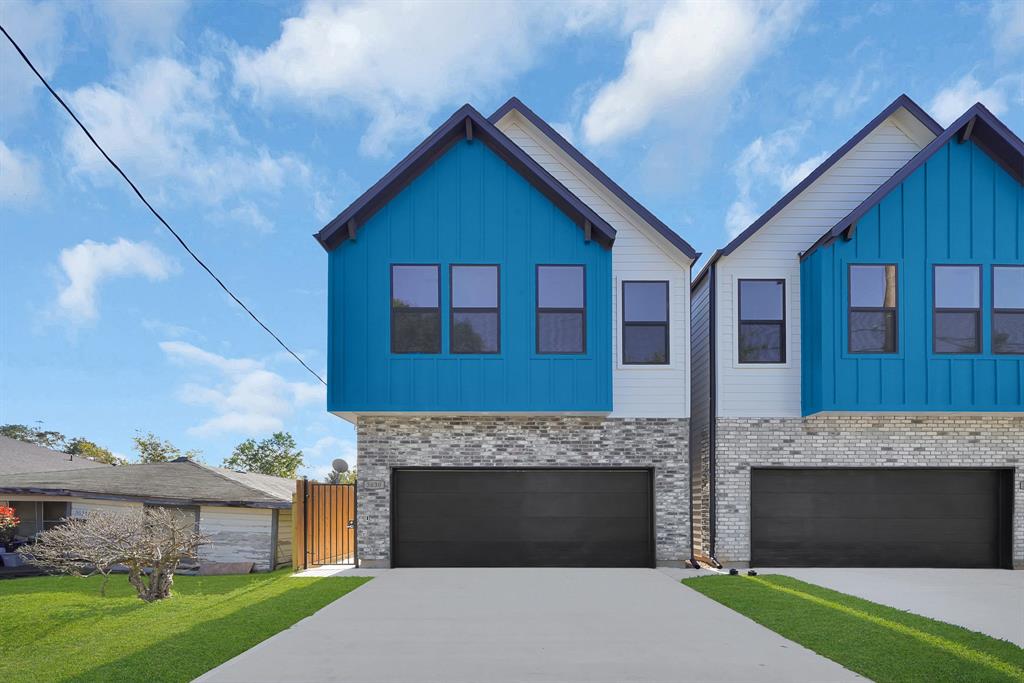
(954, 440)
(387, 441)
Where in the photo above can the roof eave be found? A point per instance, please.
(975, 112)
(901, 102)
(670, 235)
(29, 490)
(436, 144)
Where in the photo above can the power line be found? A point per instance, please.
(152, 210)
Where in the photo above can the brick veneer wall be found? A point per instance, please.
(386, 442)
(856, 441)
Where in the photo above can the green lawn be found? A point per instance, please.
(881, 643)
(59, 629)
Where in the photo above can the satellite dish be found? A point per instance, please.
(339, 465)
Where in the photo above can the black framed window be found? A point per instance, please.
(475, 315)
(1008, 309)
(415, 309)
(645, 322)
(956, 309)
(762, 321)
(872, 313)
(561, 309)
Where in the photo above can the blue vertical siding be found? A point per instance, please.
(468, 207)
(959, 207)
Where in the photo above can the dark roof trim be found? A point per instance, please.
(901, 102)
(437, 143)
(514, 104)
(146, 500)
(987, 131)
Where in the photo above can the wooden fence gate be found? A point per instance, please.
(325, 524)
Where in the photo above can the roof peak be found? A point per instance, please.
(902, 101)
(515, 104)
(466, 123)
(978, 125)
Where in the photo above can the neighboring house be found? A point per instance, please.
(18, 456)
(858, 395)
(246, 516)
(508, 330)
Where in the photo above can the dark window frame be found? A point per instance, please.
(665, 324)
(783, 324)
(993, 311)
(538, 310)
(452, 310)
(393, 309)
(976, 311)
(851, 309)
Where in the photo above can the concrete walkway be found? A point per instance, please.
(989, 601)
(527, 625)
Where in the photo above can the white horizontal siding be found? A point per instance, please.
(639, 253)
(773, 252)
(236, 535)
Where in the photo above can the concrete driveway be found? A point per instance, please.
(990, 601)
(527, 625)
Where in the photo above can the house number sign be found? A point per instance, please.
(372, 483)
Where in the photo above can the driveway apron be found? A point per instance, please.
(526, 625)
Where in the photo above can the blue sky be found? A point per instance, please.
(250, 126)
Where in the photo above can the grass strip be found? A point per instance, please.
(58, 628)
(882, 643)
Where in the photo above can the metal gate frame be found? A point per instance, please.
(324, 524)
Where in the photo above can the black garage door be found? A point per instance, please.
(880, 518)
(522, 518)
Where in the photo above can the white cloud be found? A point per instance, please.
(246, 397)
(162, 121)
(689, 60)
(1006, 18)
(400, 62)
(39, 29)
(767, 163)
(953, 101)
(87, 265)
(135, 28)
(19, 176)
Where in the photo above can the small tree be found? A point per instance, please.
(275, 456)
(84, 448)
(47, 439)
(336, 477)
(152, 448)
(150, 542)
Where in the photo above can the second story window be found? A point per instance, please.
(1008, 309)
(956, 312)
(475, 319)
(762, 321)
(872, 310)
(415, 309)
(561, 309)
(645, 323)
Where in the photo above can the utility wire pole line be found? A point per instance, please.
(149, 206)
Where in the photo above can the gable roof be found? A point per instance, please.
(466, 123)
(183, 482)
(18, 456)
(901, 102)
(977, 124)
(514, 104)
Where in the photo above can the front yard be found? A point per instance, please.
(879, 642)
(60, 629)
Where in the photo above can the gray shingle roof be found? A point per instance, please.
(166, 482)
(19, 456)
